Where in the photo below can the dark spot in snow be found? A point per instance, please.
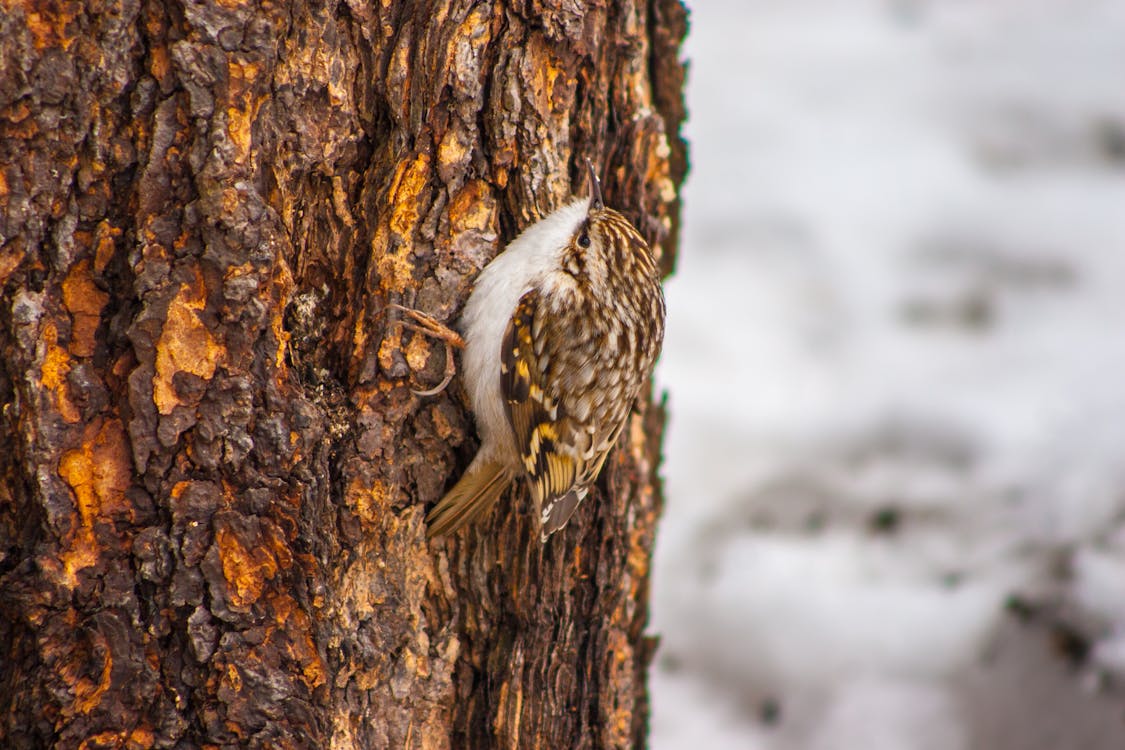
(886, 520)
(1023, 610)
(1069, 643)
(770, 712)
(952, 579)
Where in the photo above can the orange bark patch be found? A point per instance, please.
(282, 288)
(177, 492)
(243, 107)
(239, 129)
(418, 353)
(53, 372)
(619, 721)
(233, 678)
(48, 26)
(160, 63)
(544, 82)
(472, 208)
(282, 337)
(442, 426)
(454, 150)
(394, 265)
(80, 552)
(551, 86)
(11, 255)
(369, 501)
(242, 77)
(140, 738)
(299, 646)
(104, 244)
(98, 472)
(87, 693)
(185, 346)
(409, 182)
(245, 570)
(395, 268)
(84, 301)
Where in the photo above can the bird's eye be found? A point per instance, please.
(584, 240)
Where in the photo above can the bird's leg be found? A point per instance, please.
(427, 325)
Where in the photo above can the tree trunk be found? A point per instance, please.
(213, 471)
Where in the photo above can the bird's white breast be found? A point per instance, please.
(527, 262)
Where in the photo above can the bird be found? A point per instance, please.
(560, 333)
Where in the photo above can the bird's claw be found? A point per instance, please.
(440, 386)
(427, 325)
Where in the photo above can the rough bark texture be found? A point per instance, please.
(213, 473)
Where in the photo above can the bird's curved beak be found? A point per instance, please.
(596, 202)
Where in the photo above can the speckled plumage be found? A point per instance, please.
(561, 331)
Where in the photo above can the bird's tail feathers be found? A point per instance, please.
(558, 510)
(470, 499)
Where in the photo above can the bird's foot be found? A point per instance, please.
(427, 325)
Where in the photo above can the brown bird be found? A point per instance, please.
(560, 333)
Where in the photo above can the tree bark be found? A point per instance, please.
(213, 472)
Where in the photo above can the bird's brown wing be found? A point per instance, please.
(538, 420)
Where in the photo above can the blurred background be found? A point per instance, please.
(896, 372)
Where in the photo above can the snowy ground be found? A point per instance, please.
(896, 366)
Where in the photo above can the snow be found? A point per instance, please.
(894, 359)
